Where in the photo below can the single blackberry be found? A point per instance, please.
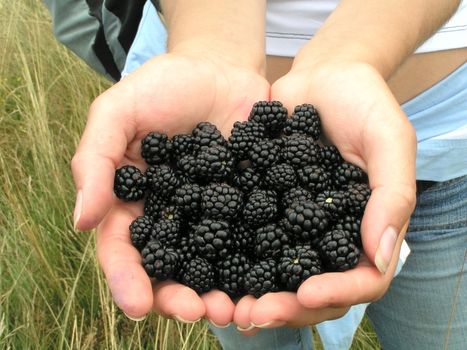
(181, 145)
(338, 250)
(357, 197)
(260, 208)
(280, 178)
(333, 202)
(213, 239)
(314, 178)
(159, 262)
(347, 174)
(243, 136)
(153, 204)
(140, 231)
(206, 134)
(231, 273)
(167, 232)
(330, 157)
(188, 198)
(162, 179)
(351, 224)
(129, 183)
(304, 120)
(246, 179)
(186, 247)
(198, 274)
(299, 151)
(296, 194)
(221, 201)
(186, 166)
(214, 164)
(306, 221)
(272, 114)
(244, 239)
(155, 148)
(270, 241)
(262, 278)
(264, 154)
(296, 265)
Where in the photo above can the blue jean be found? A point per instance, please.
(426, 304)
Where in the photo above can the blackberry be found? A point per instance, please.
(167, 232)
(140, 231)
(296, 194)
(129, 183)
(296, 265)
(357, 196)
(186, 247)
(270, 241)
(213, 239)
(260, 208)
(214, 164)
(304, 120)
(155, 148)
(173, 213)
(159, 262)
(246, 179)
(182, 145)
(198, 274)
(334, 203)
(338, 250)
(244, 238)
(221, 201)
(243, 136)
(314, 178)
(330, 157)
(188, 198)
(351, 224)
(262, 278)
(272, 114)
(231, 274)
(162, 179)
(300, 151)
(206, 134)
(280, 177)
(264, 154)
(347, 174)
(153, 204)
(186, 166)
(306, 221)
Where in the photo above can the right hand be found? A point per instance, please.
(171, 93)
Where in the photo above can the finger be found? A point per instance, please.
(283, 309)
(390, 158)
(242, 315)
(172, 299)
(219, 308)
(100, 151)
(121, 262)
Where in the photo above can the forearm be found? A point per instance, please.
(233, 29)
(379, 33)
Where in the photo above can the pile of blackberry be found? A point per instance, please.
(258, 212)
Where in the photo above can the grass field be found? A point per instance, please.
(52, 292)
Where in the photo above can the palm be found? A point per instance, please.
(170, 94)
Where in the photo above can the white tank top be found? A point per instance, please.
(291, 23)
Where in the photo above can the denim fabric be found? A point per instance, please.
(426, 305)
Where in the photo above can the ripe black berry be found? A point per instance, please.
(129, 183)
(304, 120)
(155, 148)
(306, 221)
(262, 278)
(158, 261)
(264, 154)
(260, 208)
(213, 239)
(270, 241)
(231, 274)
(140, 231)
(198, 274)
(339, 251)
(214, 164)
(300, 151)
(280, 177)
(162, 179)
(314, 178)
(221, 201)
(272, 114)
(243, 136)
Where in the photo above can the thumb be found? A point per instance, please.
(390, 151)
(100, 151)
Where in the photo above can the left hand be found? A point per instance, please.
(363, 120)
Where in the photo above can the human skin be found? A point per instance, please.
(216, 73)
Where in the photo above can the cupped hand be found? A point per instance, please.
(362, 118)
(170, 93)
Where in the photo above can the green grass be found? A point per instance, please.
(52, 292)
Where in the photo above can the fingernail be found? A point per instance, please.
(181, 319)
(78, 207)
(218, 325)
(136, 319)
(249, 328)
(386, 249)
(270, 324)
